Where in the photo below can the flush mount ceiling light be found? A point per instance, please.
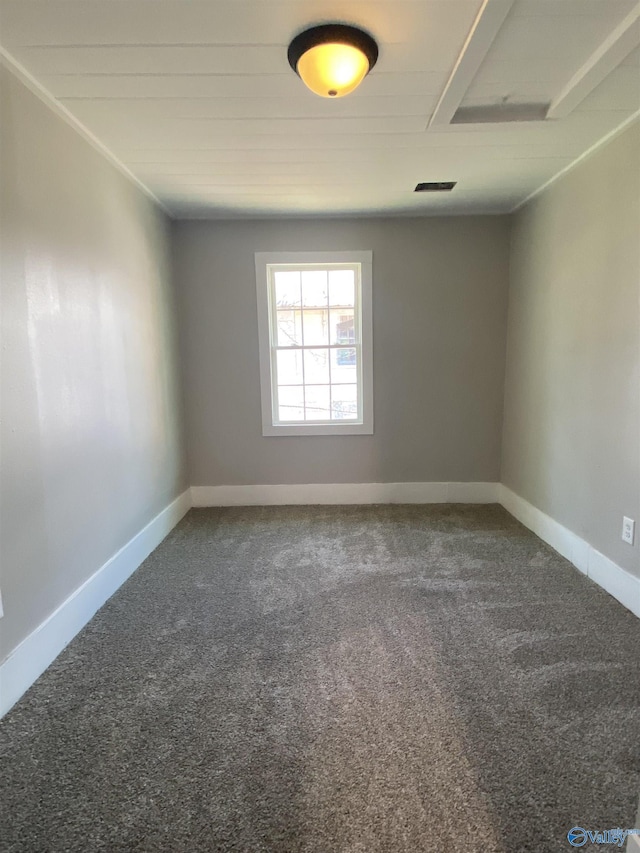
(332, 59)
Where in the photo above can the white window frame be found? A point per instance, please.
(270, 425)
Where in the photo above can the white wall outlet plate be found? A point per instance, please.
(628, 530)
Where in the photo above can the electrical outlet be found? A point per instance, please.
(628, 530)
(1, 610)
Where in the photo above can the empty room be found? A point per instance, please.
(320, 426)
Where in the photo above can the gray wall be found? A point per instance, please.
(439, 315)
(572, 400)
(90, 409)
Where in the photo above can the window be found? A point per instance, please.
(314, 319)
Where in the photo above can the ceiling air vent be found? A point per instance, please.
(435, 187)
(500, 113)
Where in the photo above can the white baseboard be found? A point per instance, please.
(345, 493)
(633, 843)
(29, 660)
(619, 583)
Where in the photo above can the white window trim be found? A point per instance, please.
(365, 259)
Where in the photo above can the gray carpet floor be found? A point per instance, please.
(354, 679)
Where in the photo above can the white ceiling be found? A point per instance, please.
(197, 99)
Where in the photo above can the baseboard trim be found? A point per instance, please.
(633, 843)
(619, 583)
(28, 661)
(344, 493)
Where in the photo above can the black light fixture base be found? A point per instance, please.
(332, 34)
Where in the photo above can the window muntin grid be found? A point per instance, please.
(315, 330)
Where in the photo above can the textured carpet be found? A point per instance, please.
(361, 679)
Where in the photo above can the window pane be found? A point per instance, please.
(318, 403)
(316, 366)
(316, 327)
(342, 287)
(343, 326)
(291, 404)
(289, 328)
(343, 366)
(289, 364)
(344, 402)
(314, 288)
(287, 289)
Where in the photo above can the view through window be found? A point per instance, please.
(316, 343)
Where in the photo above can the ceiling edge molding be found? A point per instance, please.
(62, 112)
(252, 216)
(481, 36)
(584, 156)
(618, 45)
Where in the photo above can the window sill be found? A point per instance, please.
(317, 429)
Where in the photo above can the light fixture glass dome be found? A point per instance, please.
(333, 59)
(333, 70)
